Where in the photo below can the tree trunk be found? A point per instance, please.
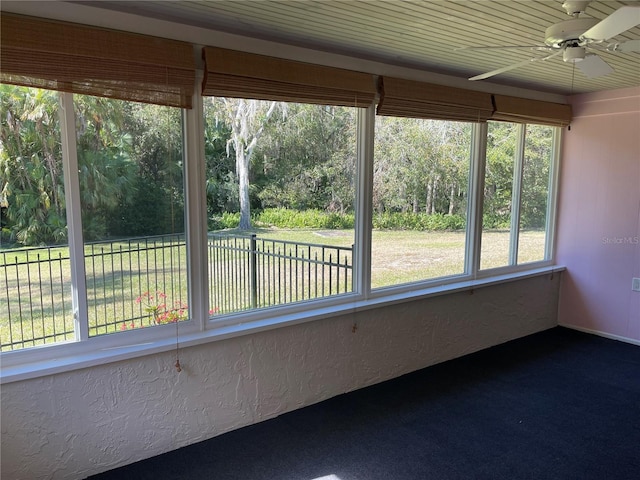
(451, 198)
(428, 206)
(242, 168)
(245, 135)
(433, 196)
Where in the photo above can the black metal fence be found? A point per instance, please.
(132, 283)
(139, 282)
(248, 272)
(36, 297)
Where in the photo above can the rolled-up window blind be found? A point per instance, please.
(89, 60)
(231, 73)
(523, 110)
(407, 98)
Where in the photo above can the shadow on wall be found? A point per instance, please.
(574, 307)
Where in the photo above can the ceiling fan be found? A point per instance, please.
(577, 37)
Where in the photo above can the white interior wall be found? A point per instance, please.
(78, 423)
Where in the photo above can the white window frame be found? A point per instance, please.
(516, 204)
(200, 328)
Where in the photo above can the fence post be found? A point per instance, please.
(254, 272)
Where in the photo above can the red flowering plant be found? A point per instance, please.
(155, 304)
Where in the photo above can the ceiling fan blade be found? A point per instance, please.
(628, 46)
(619, 21)
(514, 66)
(489, 47)
(503, 69)
(593, 66)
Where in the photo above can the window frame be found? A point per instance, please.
(201, 328)
(476, 158)
(516, 205)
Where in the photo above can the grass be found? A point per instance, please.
(402, 256)
(35, 285)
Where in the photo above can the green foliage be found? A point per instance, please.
(498, 190)
(302, 170)
(535, 182)
(221, 181)
(224, 221)
(31, 178)
(306, 160)
(129, 167)
(496, 221)
(288, 218)
(421, 166)
(156, 205)
(150, 212)
(501, 151)
(312, 218)
(418, 221)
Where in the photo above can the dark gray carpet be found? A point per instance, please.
(555, 405)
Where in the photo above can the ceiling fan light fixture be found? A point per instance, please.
(573, 54)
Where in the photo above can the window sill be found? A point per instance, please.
(75, 355)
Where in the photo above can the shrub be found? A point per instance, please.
(313, 218)
(418, 221)
(496, 221)
(287, 218)
(226, 220)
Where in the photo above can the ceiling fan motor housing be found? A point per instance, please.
(560, 33)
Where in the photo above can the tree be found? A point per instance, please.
(307, 160)
(31, 168)
(31, 178)
(498, 189)
(247, 119)
(105, 163)
(221, 183)
(535, 176)
(152, 136)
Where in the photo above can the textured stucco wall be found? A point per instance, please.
(87, 421)
(599, 214)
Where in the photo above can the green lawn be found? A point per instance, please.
(35, 292)
(401, 256)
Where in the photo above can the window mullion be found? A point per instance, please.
(516, 195)
(74, 219)
(196, 213)
(552, 194)
(476, 199)
(364, 196)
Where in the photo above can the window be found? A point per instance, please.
(518, 177)
(281, 186)
(129, 220)
(502, 143)
(132, 208)
(535, 216)
(420, 193)
(301, 239)
(35, 298)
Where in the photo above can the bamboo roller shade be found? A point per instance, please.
(89, 60)
(407, 98)
(230, 73)
(523, 110)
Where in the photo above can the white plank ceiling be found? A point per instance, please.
(423, 34)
